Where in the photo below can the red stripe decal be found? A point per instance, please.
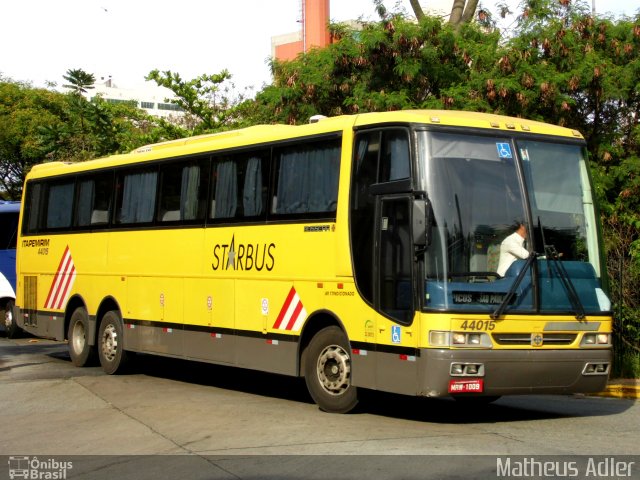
(55, 278)
(285, 307)
(294, 316)
(62, 281)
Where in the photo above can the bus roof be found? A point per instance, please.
(260, 134)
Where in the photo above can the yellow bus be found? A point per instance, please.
(357, 251)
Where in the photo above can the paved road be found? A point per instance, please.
(51, 408)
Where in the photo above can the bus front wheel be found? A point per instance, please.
(328, 371)
(113, 357)
(80, 351)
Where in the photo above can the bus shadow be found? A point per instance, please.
(226, 377)
(505, 409)
(430, 410)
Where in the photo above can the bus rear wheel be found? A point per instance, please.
(80, 351)
(328, 371)
(113, 357)
(11, 328)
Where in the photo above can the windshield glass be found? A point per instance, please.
(561, 200)
(480, 240)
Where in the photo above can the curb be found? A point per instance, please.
(625, 389)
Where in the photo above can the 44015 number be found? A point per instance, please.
(478, 325)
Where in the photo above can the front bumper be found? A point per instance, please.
(515, 372)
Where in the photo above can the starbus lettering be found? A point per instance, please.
(249, 256)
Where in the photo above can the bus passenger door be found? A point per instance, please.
(396, 334)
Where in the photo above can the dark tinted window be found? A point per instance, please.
(59, 205)
(183, 191)
(380, 156)
(307, 178)
(32, 208)
(136, 192)
(94, 199)
(394, 157)
(239, 185)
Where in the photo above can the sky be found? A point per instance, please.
(126, 39)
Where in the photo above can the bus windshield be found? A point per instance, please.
(534, 196)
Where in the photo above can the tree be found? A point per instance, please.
(23, 112)
(40, 125)
(387, 65)
(462, 11)
(79, 81)
(209, 101)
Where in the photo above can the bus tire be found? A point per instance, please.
(113, 357)
(11, 328)
(328, 371)
(80, 351)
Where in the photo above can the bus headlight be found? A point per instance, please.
(474, 338)
(439, 339)
(459, 339)
(596, 340)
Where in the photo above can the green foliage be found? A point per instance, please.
(389, 65)
(79, 81)
(23, 112)
(40, 125)
(208, 100)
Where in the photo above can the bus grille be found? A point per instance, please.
(525, 338)
(30, 304)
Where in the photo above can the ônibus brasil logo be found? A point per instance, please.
(38, 468)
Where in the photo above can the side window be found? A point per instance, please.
(394, 158)
(183, 191)
(254, 185)
(365, 173)
(381, 156)
(239, 186)
(94, 200)
(59, 205)
(307, 178)
(136, 196)
(31, 207)
(224, 183)
(395, 261)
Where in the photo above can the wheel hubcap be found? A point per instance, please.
(334, 370)
(78, 337)
(109, 342)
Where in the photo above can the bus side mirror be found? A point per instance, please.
(421, 219)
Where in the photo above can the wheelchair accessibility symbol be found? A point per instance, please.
(395, 334)
(504, 150)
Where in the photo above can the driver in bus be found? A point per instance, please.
(512, 248)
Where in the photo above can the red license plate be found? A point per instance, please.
(466, 386)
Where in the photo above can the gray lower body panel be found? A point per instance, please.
(44, 325)
(269, 353)
(515, 372)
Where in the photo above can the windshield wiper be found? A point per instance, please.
(563, 275)
(514, 286)
(553, 256)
